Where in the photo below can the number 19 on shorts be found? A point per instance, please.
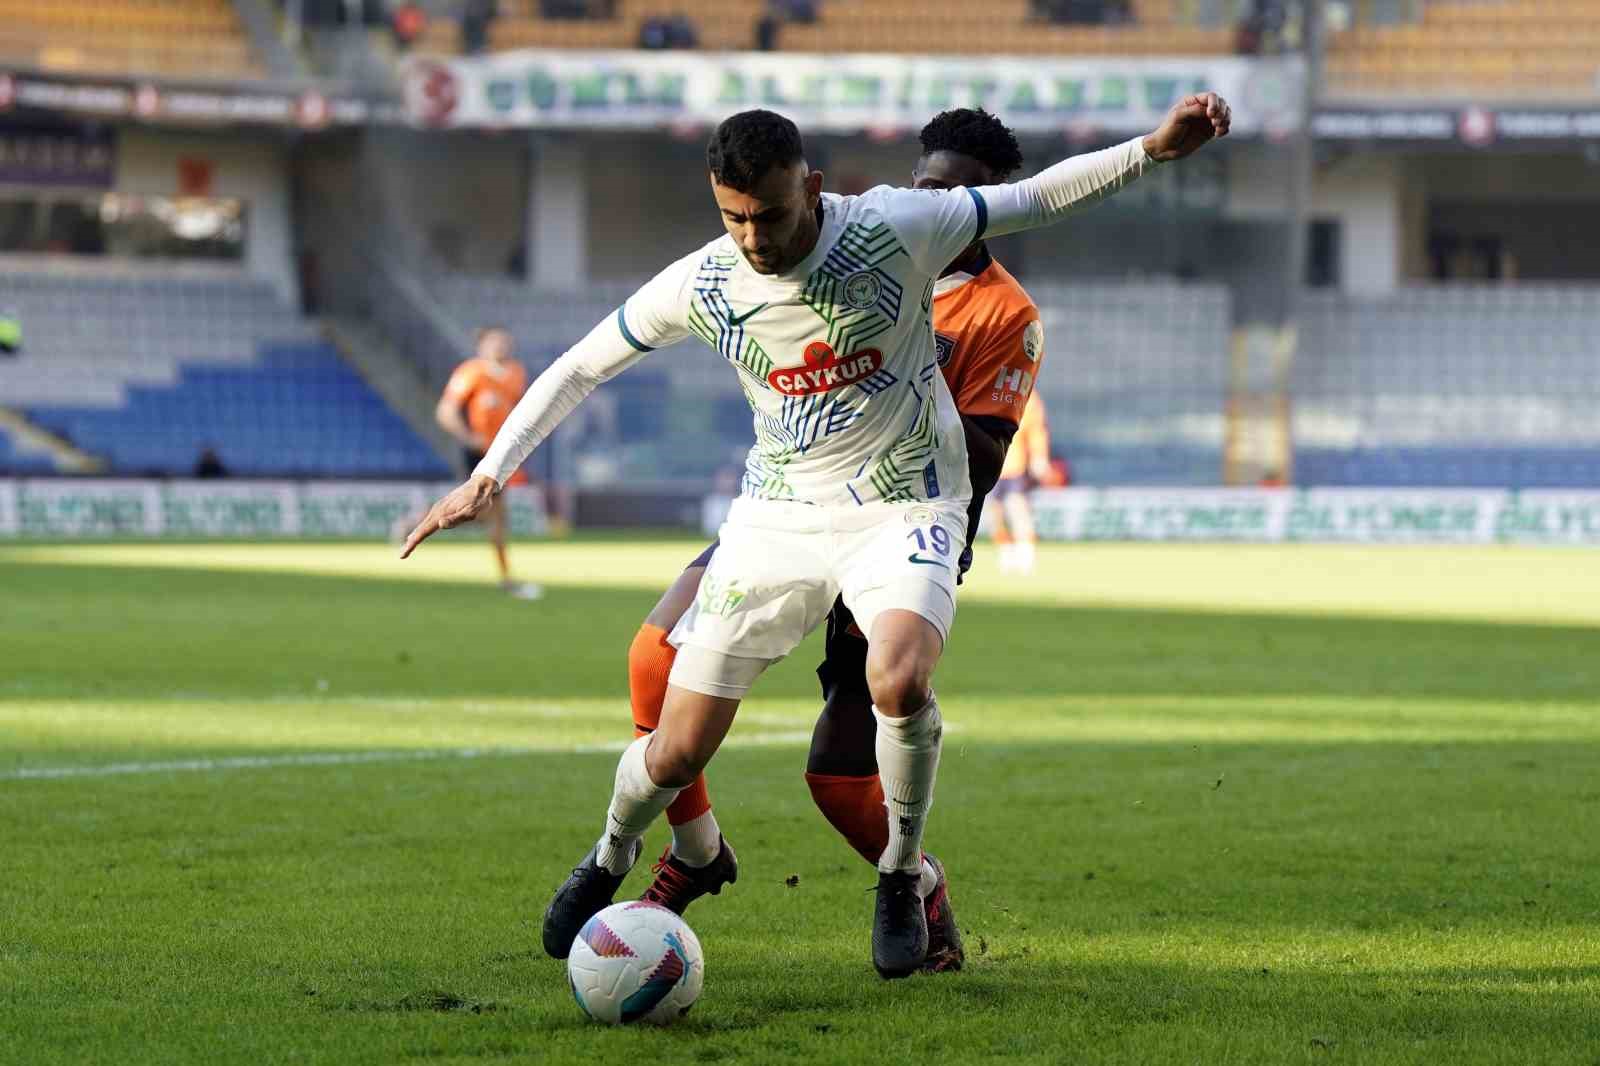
(934, 539)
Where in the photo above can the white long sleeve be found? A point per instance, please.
(599, 357)
(651, 318)
(935, 225)
(1057, 191)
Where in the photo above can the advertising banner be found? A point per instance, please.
(1368, 516)
(840, 93)
(46, 508)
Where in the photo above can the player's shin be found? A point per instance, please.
(908, 761)
(696, 837)
(854, 807)
(636, 801)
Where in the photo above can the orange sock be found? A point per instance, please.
(854, 806)
(649, 665)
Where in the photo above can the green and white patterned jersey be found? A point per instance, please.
(836, 357)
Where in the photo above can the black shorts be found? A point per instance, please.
(844, 662)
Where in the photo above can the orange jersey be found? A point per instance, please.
(488, 391)
(1030, 448)
(990, 341)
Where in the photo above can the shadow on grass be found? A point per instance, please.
(102, 632)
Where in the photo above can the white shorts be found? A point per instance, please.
(780, 566)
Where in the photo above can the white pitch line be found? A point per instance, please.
(346, 758)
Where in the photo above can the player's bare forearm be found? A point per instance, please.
(448, 416)
(987, 440)
(459, 506)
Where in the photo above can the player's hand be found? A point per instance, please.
(1192, 122)
(457, 507)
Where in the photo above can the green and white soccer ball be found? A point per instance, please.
(636, 962)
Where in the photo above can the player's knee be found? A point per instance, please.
(899, 685)
(672, 764)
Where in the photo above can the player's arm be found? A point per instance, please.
(448, 415)
(935, 226)
(652, 317)
(457, 391)
(1085, 180)
(988, 437)
(990, 409)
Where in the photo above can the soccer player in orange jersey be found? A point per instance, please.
(990, 344)
(476, 402)
(1027, 464)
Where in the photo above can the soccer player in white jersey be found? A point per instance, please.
(857, 485)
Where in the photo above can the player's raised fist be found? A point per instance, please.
(1192, 122)
(457, 507)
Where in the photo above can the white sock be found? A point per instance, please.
(635, 802)
(908, 762)
(1008, 557)
(1024, 561)
(930, 879)
(697, 841)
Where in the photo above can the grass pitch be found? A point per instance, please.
(305, 803)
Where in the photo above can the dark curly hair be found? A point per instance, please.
(974, 132)
(749, 144)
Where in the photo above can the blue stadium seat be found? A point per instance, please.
(298, 410)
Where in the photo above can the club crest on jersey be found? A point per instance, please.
(824, 370)
(862, 289)
(1032, 341)
(944, 347)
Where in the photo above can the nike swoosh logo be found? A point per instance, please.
(739, 320)
(916, 557)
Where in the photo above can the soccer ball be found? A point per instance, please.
(636, 962)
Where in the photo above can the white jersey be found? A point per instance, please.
(837, 356)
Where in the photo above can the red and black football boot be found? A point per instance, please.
(678, 884)
(944, 936)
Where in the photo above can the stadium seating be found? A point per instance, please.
(906, 26)
(17, 460)
(173, 38)
(1461, 385)
(1473, 48)
(1135, 382)
(1135, 379)
(146, 370)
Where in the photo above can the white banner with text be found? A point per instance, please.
(636, 89)
(72, 508)
(1372, 516)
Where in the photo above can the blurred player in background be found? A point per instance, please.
(989, 345)
(476, 402)
(1027, 465)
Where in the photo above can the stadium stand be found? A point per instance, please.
(905, 26)
(15, 459)
(171, 38)
(1135, 377)
(1547, 49)
(144, 369)
(1456, 386)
